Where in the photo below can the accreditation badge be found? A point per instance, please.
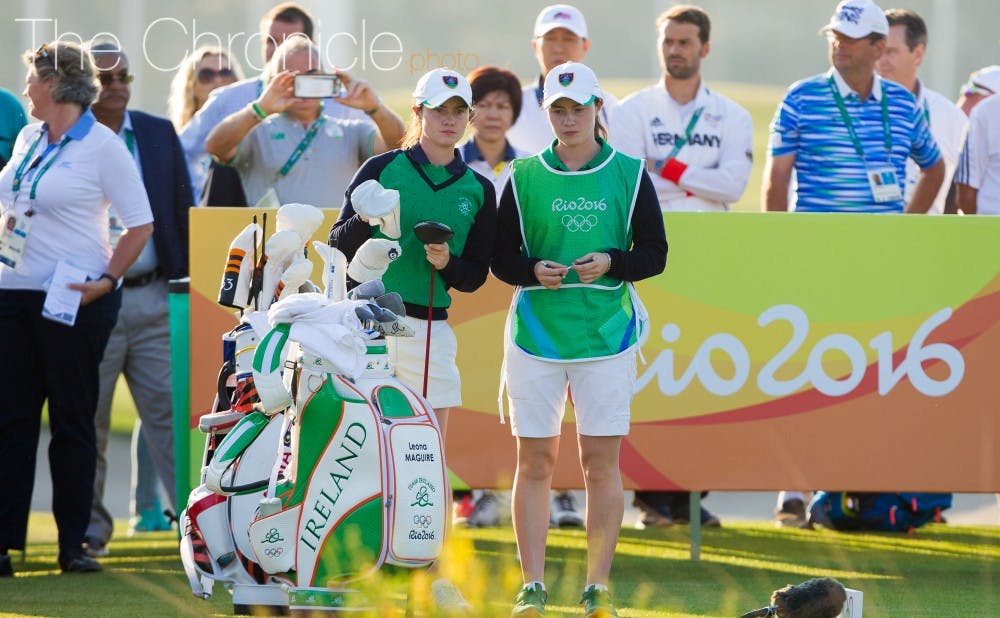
(14, 229)
(884, 184)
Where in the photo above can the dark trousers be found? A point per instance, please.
(47, 360)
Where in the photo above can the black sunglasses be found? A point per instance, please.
(207, 76)
(109, 78)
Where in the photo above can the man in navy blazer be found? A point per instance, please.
(139, 346)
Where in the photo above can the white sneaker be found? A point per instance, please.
(449, 599)
(564, 513)
(485, 512)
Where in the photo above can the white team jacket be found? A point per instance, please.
(719, 156)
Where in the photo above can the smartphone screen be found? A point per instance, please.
(317, 86)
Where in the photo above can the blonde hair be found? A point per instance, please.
(414, 131)
(181, 105)
(69, 67)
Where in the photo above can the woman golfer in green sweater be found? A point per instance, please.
(577, 223)
(434, 184)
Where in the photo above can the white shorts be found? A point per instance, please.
(601, 392)
(444, 385)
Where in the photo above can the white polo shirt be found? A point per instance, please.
(979, 163)
(70, 221)
(947, 122)
(719, 154)
(532, 132)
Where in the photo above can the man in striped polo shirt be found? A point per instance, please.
(847, 133)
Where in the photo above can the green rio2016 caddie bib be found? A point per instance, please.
(565, 215)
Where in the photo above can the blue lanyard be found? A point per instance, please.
(23, 168)
(886, 131)
(301, 148)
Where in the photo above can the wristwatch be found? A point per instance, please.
(115, 281)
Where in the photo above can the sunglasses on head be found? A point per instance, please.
(207, 76)
(42, 52)
(973, 88)
(109, 78)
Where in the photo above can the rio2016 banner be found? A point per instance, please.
(786, 351)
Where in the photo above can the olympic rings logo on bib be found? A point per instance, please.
(579, 223)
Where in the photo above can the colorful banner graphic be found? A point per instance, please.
(787, 351)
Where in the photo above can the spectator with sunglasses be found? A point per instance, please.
(201, 72)
(139, 346)
(64, 174)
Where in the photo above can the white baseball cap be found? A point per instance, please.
(561, 16)
(987, 77)
(437, 86)
(857, 19)
(572, 80)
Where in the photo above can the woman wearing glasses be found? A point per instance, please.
(201, 72)
(64, 173)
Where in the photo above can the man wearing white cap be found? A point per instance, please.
(978, 175)
(904, 52)
(560, 35)
(982, 84)
(850, 126)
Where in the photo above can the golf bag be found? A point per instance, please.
(333, 478)
(876, 511)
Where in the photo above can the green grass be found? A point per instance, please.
(939, 571)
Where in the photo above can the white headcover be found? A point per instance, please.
(378, 206)
(302, 219)
(372, 259)
(281, 249)
(334, 271)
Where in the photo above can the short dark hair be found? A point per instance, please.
(487, 79)
(687, 14)
(290, 13)
(916, 29)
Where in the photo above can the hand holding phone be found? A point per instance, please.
(317, 86)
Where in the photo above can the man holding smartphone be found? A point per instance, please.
(290, 144)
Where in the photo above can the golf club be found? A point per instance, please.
(431, 233)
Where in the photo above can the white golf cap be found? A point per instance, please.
(437, 86)
(572, 80)
(987, 77)
(560, 16)
(857, 19)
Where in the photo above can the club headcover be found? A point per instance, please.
(372, 259)
(334, 271)
(280, 250)
(302, 219)
(378, 206)
(235, 288)
(293, 278)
